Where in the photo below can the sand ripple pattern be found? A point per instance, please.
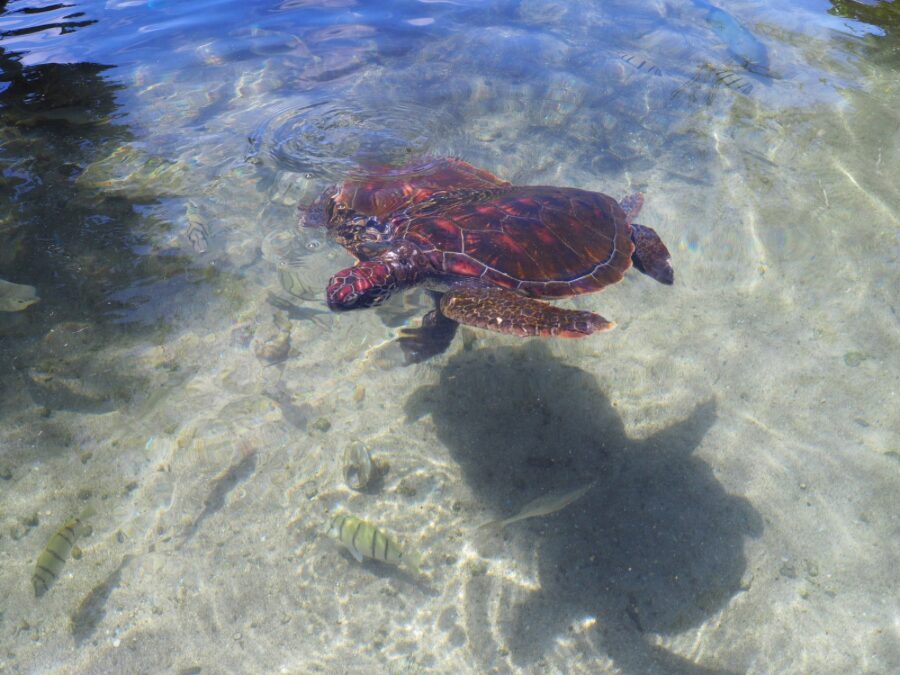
(328, 138)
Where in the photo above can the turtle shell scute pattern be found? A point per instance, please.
(540, 241)
(385, 191)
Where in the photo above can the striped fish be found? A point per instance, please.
(640, 63)
(51, 560)
(364, 540)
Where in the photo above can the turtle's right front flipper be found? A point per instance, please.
(504, 311)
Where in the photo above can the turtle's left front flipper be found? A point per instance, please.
(504, 311)
(431, 338)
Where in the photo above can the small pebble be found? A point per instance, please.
(853, 359)
(406, 490)
(359, 393)
(358, 466)
(322, 424)
(478, 568)
(272, 349)
(812, 569)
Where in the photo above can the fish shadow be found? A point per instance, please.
(653, 549)
(402, 576)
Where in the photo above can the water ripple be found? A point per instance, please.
(328, 138)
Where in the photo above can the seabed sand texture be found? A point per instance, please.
(741, 426)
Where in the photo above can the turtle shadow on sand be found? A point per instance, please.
(655, 548)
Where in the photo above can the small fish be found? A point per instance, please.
(733, 81)
(51, 560)
(295, 284)
(542, 506)
(223, 484)
(740, 42)
(364, 540)
(197, 232)
(298, 313)
(16, 297)
(709, 78)
(296, 415)
(641, 63)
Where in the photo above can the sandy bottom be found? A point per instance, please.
(741, 427)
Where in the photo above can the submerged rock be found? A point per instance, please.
(359, 469)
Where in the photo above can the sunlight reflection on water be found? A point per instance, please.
(175, 366)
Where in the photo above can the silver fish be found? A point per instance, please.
(740, 42)
(542, 506)
(16, 297)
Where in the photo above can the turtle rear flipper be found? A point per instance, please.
(505, 311)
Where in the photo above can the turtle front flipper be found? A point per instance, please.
(631, 205)
(431, 338)
(505, 311)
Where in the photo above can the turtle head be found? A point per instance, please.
(366, 284)
(651, 255)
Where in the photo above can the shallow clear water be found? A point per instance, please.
(181, 374)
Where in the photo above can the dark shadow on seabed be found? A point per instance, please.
(89, 253)
(656, 547)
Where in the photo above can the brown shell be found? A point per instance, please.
(384, 191)
(541, 241)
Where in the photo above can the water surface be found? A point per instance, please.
(181, 374)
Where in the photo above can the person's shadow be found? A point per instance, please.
(654, 548)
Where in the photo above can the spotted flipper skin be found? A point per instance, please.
(504, 311)
(631, 205)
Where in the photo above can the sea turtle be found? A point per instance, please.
(490, 249)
